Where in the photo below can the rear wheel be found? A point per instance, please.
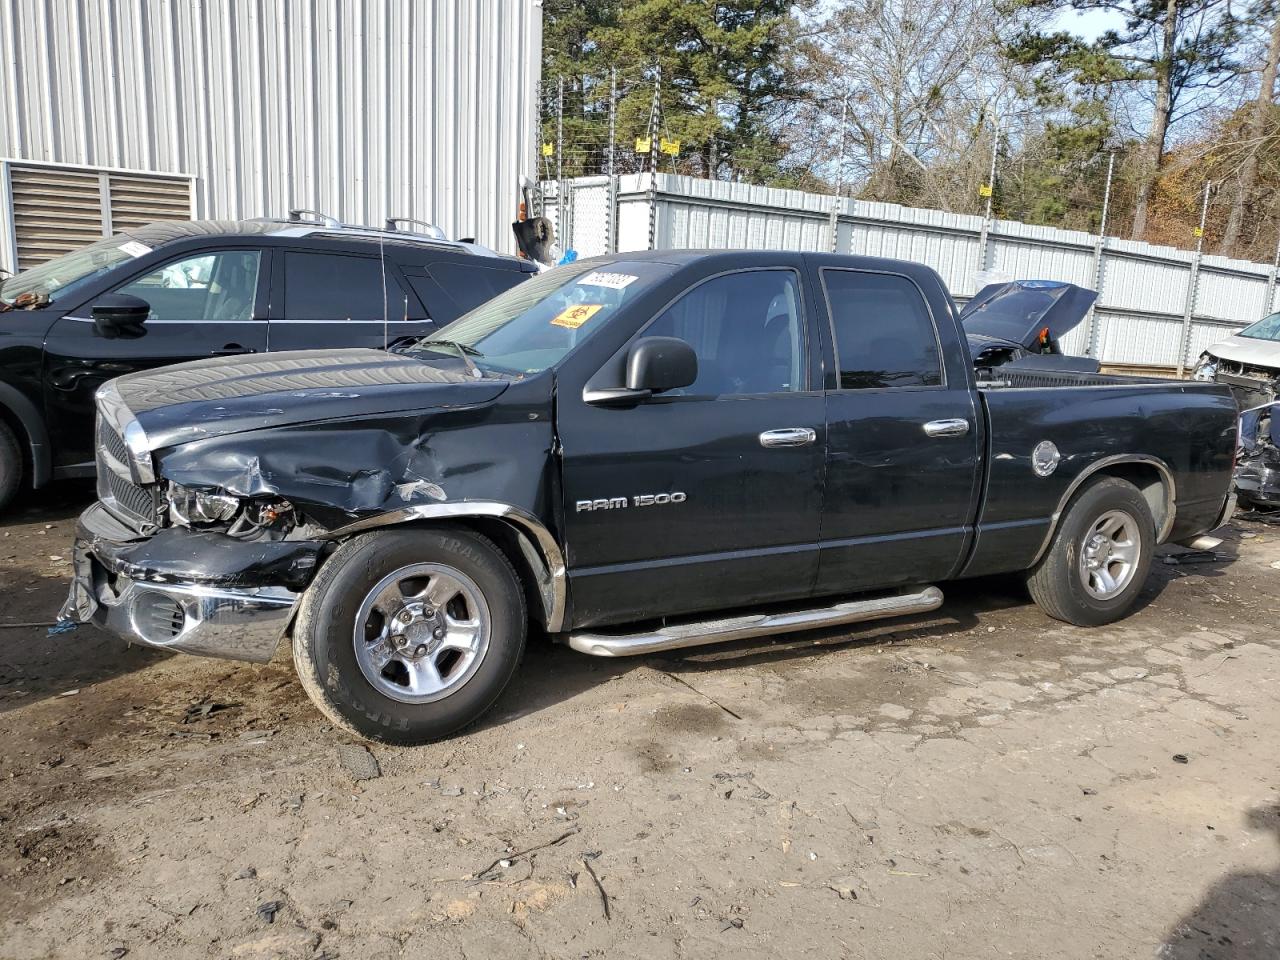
(406, 636)
(10, 465)
(1099, 557)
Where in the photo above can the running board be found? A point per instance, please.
(754, 625)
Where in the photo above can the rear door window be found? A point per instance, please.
(326, 286)
(884, 333)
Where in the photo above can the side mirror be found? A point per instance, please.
(120, 315)
(655, 364)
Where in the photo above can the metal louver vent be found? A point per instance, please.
(55, 211)
(60, 209)
(140, 200)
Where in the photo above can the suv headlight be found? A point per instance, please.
(188, 507)
(1206, 367)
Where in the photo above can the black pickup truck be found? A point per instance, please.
(632, 454)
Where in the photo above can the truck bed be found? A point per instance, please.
(1174, 439)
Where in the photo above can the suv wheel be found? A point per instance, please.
(1099, 558)
(406, 636)
(10, 465)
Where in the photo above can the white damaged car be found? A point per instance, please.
(1249, 361)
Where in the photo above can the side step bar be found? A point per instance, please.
(754, 625)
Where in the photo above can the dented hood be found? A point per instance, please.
(1017, 312)
(225, 395)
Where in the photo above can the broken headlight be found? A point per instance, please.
(188, 507)
(1206, 367)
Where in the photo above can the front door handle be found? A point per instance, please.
(231, 350)
(946, 428)
(788, 437)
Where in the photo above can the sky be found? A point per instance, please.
(1090, 24)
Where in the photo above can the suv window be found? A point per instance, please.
(327, 286)
(883, 331)
(746, 329)
(207, 286)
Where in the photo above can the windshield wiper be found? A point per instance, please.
(464, 351)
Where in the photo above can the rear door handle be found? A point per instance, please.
(788, 437)
(946, 428)
(231, 350)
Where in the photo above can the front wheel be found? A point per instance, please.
(1099, 557)
(406, 636)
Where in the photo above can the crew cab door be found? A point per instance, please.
(709, 496)
(904, 434)
(205, 303)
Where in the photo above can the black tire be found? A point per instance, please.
(1057, 583)
(11, 465)
(324, 638)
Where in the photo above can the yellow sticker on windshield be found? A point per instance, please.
(576, 316)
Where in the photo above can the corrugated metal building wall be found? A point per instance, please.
(360, 108)
(1154, 302)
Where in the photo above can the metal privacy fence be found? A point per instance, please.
(1157, 306)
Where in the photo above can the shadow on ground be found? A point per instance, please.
(1239, 918)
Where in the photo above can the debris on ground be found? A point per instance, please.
(1180, 758)
(1195, 556)
(204, 708)
(356, 759)
(267, 911)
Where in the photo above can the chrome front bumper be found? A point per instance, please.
(235, 623)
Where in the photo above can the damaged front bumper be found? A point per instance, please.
(189, 591)
(1257, 475)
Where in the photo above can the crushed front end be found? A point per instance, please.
(1257, 479)
(183, 569)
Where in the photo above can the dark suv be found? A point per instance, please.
(169, 292)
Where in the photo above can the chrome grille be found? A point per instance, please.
(127, 500)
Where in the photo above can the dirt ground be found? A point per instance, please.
(983, 783)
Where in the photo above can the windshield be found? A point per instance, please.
(1268, 328)
(60, 276)
(534, 324)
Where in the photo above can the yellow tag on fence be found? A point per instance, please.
(574, 317)
(644, 144)
(984, 190)
(1198, 233)
(548, 150)
(670, 147)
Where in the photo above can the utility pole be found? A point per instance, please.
(990, 192)
(611, 199)
(561, 200)
(1271, 280)
(1099, 249)
(1192, 285)
(655, 113)
(837, 200)
(536, 199)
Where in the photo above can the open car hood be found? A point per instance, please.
(1020, 311)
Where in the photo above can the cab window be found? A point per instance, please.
(884, 333)
(220, 286)
(746, 329)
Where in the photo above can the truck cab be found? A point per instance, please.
(631, 453)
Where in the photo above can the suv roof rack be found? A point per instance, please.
(431, 230)
(295, 216)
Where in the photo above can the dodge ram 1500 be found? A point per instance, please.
(631, 453)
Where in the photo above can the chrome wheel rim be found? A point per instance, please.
(421, 632)
(1109, 555)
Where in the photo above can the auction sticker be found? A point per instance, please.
(614, 281)
(135, 248)
(576, 316)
